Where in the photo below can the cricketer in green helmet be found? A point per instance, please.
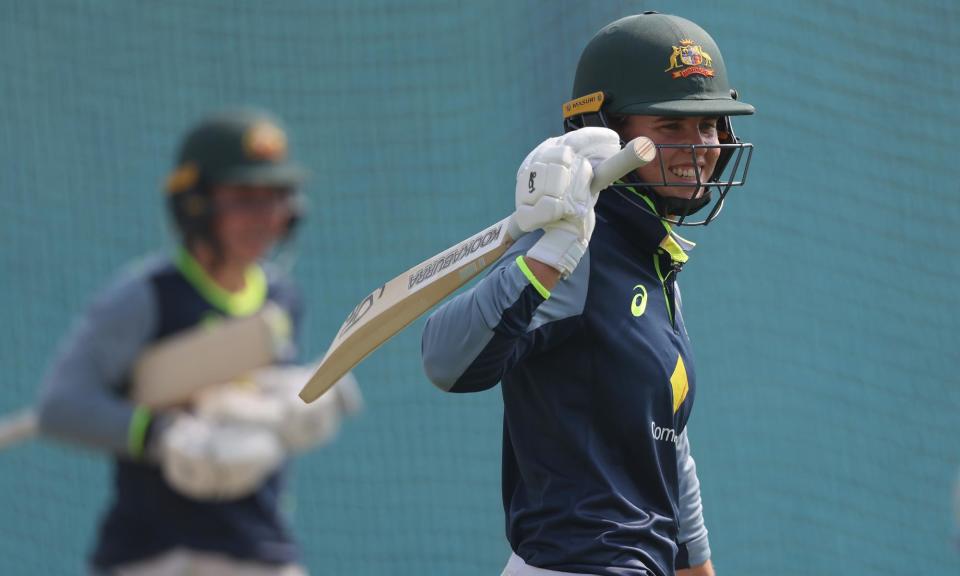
(198, 486)
(581, 321)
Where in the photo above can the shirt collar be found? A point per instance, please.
(242, 303)
(628, 210)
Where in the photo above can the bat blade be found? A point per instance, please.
(174, 370)
(396, 304)
(17, 428)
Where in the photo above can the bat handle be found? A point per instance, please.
(638, 152)
(513, 229)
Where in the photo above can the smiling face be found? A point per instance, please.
(680, 165)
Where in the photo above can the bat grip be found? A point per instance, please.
(638, 152)
(513, 229)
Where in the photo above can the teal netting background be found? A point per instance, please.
(823, 304)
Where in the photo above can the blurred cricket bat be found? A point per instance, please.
(17, 427)
(391, 307)
(175, 370)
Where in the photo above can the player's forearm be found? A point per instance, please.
(470, 341)
(547, 275)
(80, 401)
(78, 404)
(96, 422)
(693, 536)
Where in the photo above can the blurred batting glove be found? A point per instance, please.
(215, 461)
(304, 426)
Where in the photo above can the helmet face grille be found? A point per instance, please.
(678, 209)
(731, 171)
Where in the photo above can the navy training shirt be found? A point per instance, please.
(598, 382)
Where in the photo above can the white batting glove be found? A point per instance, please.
(214, 461)
(553, 193)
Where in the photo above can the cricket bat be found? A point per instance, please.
(393, 306)
(17, 427)
(175, 370)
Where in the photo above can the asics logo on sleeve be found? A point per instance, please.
(639, 303)
(530, 187)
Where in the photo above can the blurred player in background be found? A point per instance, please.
(198, 491)
(581, 320)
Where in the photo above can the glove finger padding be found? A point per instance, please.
(542, 187)
(593, 143)
(564, 207)
(205, 460)
(553, 182)
(305, 426)
(555, 204)
(239, 403)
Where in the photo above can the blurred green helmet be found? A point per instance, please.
(241, 147)
(655, 64)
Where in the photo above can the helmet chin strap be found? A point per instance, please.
(669, 207)
(681, 207)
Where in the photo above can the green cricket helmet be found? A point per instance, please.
(655, 64)
(244, 146)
